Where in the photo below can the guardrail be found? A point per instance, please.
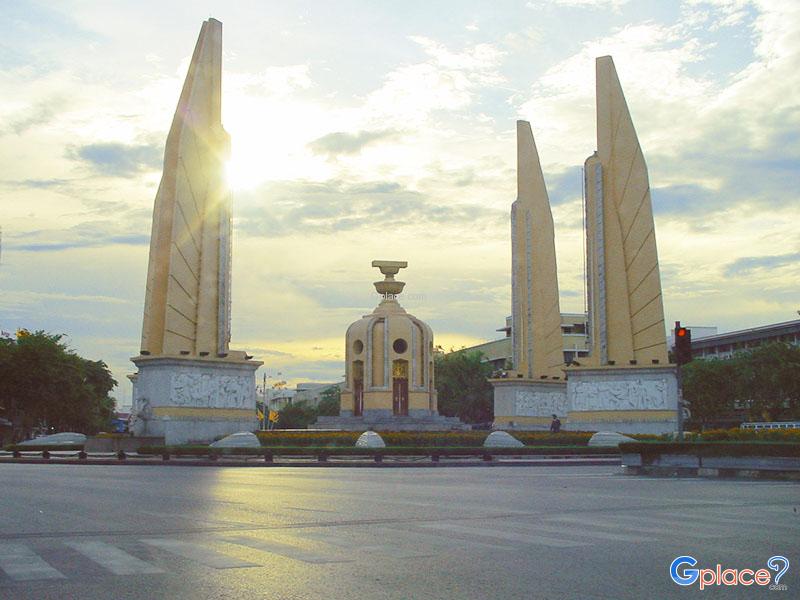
(713, 459)
(319, 455)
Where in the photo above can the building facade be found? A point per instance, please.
(725, 345)
(573, 335)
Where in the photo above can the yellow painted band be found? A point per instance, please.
(207, 413)
(622, 415)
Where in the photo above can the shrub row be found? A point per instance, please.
(757, 448)
(745, 435)
(43, 447)
(388, 451)
(420, 438)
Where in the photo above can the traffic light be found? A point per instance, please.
(683, 344)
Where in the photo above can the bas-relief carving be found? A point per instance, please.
(206, 390)
(529, 403)
(637, 394)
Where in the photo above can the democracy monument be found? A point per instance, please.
(626, 383)
(190, 387)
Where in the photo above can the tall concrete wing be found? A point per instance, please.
(625, 301)
(187, 301)
(536, 321)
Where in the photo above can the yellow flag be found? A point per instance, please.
(260, 415)
(273, 416)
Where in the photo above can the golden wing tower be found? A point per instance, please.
(190, 386)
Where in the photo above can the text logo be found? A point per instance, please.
(683, 571)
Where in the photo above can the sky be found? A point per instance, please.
(369, 130)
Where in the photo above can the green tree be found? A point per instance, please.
(330, 402)
(298, 415)
(462, 386)
(770, 382)
(712, 388)
(42, 381)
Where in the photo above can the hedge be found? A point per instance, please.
(422, 438)
(647, 449)
(772, 435)
(388, 451)
(43, 447)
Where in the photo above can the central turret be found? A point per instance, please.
(389, 381)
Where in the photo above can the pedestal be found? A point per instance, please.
(528, 404)
(193, 400)
(628, 399)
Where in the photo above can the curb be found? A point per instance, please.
(177, 462)
(712, 473)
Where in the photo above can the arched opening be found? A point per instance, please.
(400, 387)
(358, 388)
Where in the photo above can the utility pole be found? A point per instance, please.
(264, 408)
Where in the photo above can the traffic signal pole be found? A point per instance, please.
(683, 354)
(680, 403)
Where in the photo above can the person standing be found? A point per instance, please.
(555, 425)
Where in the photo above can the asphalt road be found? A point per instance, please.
(74, 532)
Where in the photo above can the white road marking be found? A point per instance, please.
(538, 540)
(449, 542)
(733, 521)
(21, 563)
(393, 550)
(281, 549)
(583, 532)
(666, 526)
(196, 552)
(112, 558)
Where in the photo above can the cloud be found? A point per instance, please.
(90, 234)
(286, 208)
(596, 4)
(272, 81)
(35, 184)
(748, 264)
(41, 113)
(341, 142)
(118, 160)
(447, 81)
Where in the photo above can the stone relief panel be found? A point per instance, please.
(207, 390)
(634, 394)
(530, 403)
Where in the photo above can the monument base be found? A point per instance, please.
(625, 399)
(193, 400)
(385, 420)
(528, 404)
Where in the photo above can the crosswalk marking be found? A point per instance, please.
(583, 532)
(393, 550)
(112, 558)
(22, 564)
(447, 541)
(730, 521)
(615, 524)
(643, 524)
(286, 550)
(534, 539)
(201, 554)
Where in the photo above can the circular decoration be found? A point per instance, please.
(400, 345)
(358, 346)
